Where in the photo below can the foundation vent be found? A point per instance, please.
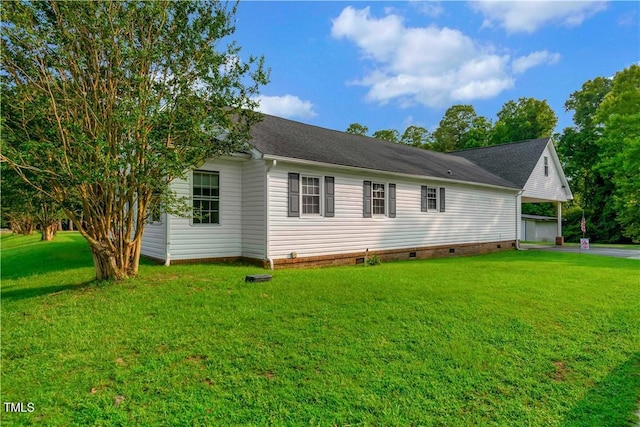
(412, 254)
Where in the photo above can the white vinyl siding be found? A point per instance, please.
(254, 211)
(473, 214)
(545, 188)
(196, 241)
(153, 240)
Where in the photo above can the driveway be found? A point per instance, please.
(614, 252)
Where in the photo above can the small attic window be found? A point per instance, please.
(546, 166)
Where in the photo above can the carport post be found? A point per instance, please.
(559, 238)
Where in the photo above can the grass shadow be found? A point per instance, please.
(21, 293)
(608, 401)
(28, 257)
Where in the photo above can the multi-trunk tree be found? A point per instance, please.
(110, 101)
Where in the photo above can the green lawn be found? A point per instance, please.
(514, 339)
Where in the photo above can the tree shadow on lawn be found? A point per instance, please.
(613, 401)
(20, 293)
(42, 258)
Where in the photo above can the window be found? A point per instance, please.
(546, 166)
(154, 215)
(432, 199)
(310, 195)
(378, 198)
(306, 192)
(206, 197)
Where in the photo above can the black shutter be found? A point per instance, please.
(366, 204)
(294, 195)
(441, 199)
(392, 200)
(423, 198)
(329, 196)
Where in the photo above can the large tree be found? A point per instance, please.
(579, 151)
(112, 100)
(529, 118)
(461, 128)
(416, 136)
(618, 118)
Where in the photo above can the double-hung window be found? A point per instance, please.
(378, 198)
(206, 197)
(310, 195)
(432, 199)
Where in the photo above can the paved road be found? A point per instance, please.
(614, 252)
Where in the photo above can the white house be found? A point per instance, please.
(305, 195)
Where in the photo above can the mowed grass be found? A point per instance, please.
(517, 338)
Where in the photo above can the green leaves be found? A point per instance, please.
(618, 117)
(529, 118)
(112, 100)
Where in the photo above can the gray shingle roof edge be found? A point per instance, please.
(278, 137)
(513, 161)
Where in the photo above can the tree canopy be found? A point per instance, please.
(528, 118)
(461, 128)
(110, 101)
(618, 118)
(388, 135)
(357, 129)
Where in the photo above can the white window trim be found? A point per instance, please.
(320, 197)
(437, 208)
(386, 199)
(546, 166)
(196, 224)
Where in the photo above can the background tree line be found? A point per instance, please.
(600, 152)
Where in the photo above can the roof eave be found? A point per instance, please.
(399, 174)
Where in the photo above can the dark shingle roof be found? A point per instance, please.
(514, 161)
(286, 138)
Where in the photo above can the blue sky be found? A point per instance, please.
(388, 65)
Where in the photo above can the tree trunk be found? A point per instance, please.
(110, 266)
(106, 266)
(49, 231)
(21, 224)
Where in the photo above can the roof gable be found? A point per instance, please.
(513, 162)
(286, 138)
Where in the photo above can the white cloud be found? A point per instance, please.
(529, 16)
(288, 106)
(430, 8)
(427, 65)
(523, 63)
